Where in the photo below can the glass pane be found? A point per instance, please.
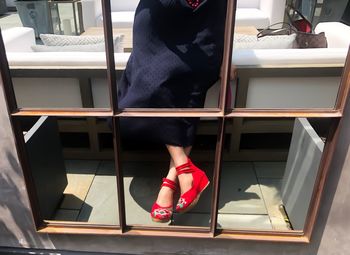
(145, 161)
(288, 58)
(65, 17)
(73, 173)
(287, 88)
(269, 172)
(55, 62)
(171, 54)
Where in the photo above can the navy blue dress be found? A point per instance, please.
(176, 57)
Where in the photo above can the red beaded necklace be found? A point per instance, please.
(193, 3)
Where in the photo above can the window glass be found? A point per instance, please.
(172, 53)
(283, 88)
(55, 59)
(269, 172)
(71, 180)
(289, 54)
(270, 165)
(145, 164)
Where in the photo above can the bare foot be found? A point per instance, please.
(165, 197)
(185, 182)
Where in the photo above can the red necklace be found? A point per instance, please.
(193, 3)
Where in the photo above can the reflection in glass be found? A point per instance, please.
(285, 88)
(169, 66)
(55, 61)
(69, 185)
(144, 165)
(271, 191)
(50, 17)
(276, 68)
(63, 88)
(66, 17)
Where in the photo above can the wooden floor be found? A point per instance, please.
(249, 198)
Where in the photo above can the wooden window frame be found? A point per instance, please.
(221, 113)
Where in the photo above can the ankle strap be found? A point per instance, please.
(169, 183)
(185, 168)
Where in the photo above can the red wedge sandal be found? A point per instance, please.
(200, 182)
(163, 214)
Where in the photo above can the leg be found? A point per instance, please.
(179, 156)
(165, 196)
(192, 180)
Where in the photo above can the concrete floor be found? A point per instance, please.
(249, 199)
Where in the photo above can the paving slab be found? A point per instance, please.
(82, 166)
(239, 221)
(66, 215)
(76, 190)
(239, 190)
(271, 191)
(270, 169)
(101, 204)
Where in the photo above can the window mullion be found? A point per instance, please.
(111, 72)
(216, 176)
(112, 81)
(227, 54)
(344, 89)
(119, 175)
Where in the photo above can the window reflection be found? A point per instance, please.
(287, 88)
(270, 63)
(169, 66)
(260, 153)
(270, 187)
(55, 61)
(85, 19)
(144, 165)
(69, 184)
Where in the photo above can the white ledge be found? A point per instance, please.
(285, 57)
(65, 60)
(240, 58)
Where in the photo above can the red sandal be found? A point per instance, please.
(163, 213)
(200, 182)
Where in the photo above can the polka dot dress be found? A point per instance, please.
(176, 57)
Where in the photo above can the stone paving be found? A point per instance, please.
(249, 198)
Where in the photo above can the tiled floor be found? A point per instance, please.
(249, 197)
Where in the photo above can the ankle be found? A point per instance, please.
(172, 175)
(185, 182)
(182, 159)
(165, 196)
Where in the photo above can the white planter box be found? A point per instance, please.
(301, 171)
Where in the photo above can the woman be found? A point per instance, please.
(176, 57)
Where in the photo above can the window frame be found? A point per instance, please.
(222, 113)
